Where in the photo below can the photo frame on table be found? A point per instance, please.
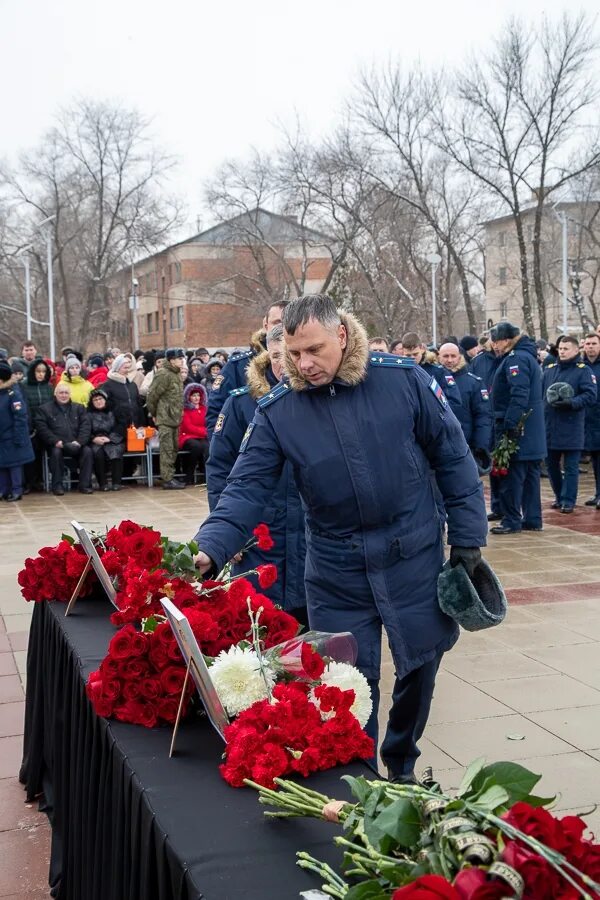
(194, 660)
(95, 562)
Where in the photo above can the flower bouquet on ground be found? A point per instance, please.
(506, 448)
(493, 839)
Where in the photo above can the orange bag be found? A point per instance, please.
(137, 437)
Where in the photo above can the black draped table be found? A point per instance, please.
(128, 823)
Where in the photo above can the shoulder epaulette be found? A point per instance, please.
(581, 365)
(243, 355)
(393, 362)
(280, 390)
(237, 392)
(473, 375)
(551, 366)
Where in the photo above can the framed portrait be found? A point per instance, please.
(194, 660)
(95, 561)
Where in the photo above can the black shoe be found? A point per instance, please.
(58, 492)
(117, 487)
(532, 528)
(173, 486)
(593, 501)
(566, 509)
(86, 490)
(556, 505)
(502, 529)
(5, 496)
(494, 517)
(402, 779)
(12, 497)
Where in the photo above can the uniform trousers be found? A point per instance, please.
(595, 456)
(168, 438)
(11, 481)
(520, 495)
(564, 485)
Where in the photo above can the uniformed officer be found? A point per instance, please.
(484, 365)
(414, 348)
(475, 411)
(233, 374)
(362, 431)
(591, 357)
(565, 419)
(283, 513)
(517, 391)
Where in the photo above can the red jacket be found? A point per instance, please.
(98, 376)
(193, 425)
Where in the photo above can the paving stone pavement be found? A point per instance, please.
(527, 691)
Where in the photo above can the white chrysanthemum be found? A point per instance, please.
(238, 680)
(347, 677)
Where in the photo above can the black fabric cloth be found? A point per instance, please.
(128, 822)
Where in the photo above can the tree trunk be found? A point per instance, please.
(526, 305)
(466, 291)
(537, 274)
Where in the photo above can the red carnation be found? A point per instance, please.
(427, 887)
(264, 541)
(312, 662)
(267, 575)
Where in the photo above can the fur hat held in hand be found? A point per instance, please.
(473, 603)
(558, 391)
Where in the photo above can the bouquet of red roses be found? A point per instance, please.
(53, 574)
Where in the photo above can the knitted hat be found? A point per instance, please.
(96, 360)
(560, 390)
(5, 371)
(17, 367)
(474, 603)
(119, 360)
(71, 361)
(504, 331)
(468, 342)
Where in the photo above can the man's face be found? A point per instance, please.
(317, 351)
(416, 353)
(177, 361)
(29, 353)
(378, 345)
(62, 393)
(272, 318)
(591, 348)
(501, 346)
(472, 353)
(276, 351)
(567, 350)
(450, 356)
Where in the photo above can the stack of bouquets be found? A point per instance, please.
(53, 574)
(297, 710)
(493, 839)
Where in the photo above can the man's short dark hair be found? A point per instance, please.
(411, 340)
(319, 307)
(280, 304)
(395, 344)
(378, 340)
(570, 339)
(27, 344)
(592, 334)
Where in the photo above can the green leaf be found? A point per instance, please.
(68, 538)
(540, 801)
(515, 779)
(399, 821)
(472, 770)
(360, 787)
(492, 798)
(366, 890)
(193, 547)
(149, 625)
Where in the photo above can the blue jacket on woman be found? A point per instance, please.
(362, 449)
(592, 413)
(15, 443)
(517, 389)
(565, 426)
(283, 513)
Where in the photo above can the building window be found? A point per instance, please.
(176, 318)
(177, 272)
(148, 284)
(180, 318)
(502, 275)
(149, 323)
(156, 320)
(503, 310)
(502, 239)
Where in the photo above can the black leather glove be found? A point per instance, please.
(469, 557)
(563, 404)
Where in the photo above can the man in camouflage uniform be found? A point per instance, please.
(165, 405)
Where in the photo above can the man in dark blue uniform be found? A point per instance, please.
(484, 365)
(362, 432)
(565, 419)
(591, 357)
(517, 392)
(475, 411)
(414, 348)
(233, 374)
(283, 513)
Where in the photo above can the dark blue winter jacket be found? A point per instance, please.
(517, 389)
(475, 410)
(362, 449)
(592, 413)
(283, 513)
(233, 375)
(15, 443)
(565, 426)
(484, 365)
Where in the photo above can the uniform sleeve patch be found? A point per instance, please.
(438, 393)
(247, 436)
(514, 370)
(217, 382)
(593, 378)
(485, 394)
(450, 380)
(219, 423)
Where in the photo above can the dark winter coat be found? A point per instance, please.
(36, 392)
(165, 397)
(433, 370)
(361, 449)
(15, 443)
(475, 410)
(66, 422)
(103, 424)
(517, 389)
(565, 426)
(592, 413)
(233, 375)
(484, 366)
(283, 513)
(125, 402)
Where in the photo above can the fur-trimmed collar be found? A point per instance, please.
(429, 359)
(462, 365)
(258, 341)
(116, 376)
(256, 375)
(353, 367)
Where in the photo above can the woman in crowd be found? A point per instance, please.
(192, 431)
(156, 362)
(81, 388)
(196, 370)
(108, 444)
(211, 372)
(15, 444)
(38, 390)
(123, 395)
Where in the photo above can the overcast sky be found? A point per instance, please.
(217, 77)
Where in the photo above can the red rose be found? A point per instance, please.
(127, 642)
(151, 557)
(167, 708)
(427, 887)
(473, 884)
(312, 663)
(541, 880)
(264, 541)
(535, 822)
(150, 688)
(588, 860)
(267, 575)
(138, 712)
(172, 679)
(127, 528)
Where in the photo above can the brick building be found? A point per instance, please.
(211, 289)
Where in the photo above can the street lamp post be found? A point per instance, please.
(434, 259)
(25, 260)
(47, 221)
(133, 306)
